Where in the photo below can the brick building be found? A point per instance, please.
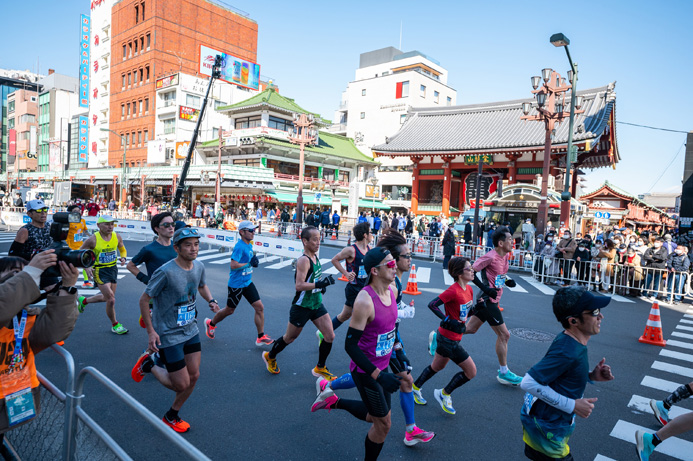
(151, 38)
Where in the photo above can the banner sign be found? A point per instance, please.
(54, 157)
(188, 113)
(83, 138)
(84, 61)
(13, 142)
(156, 152)
(233, 70)
(165, 82)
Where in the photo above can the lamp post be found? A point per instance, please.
(123, 177)
(302, 134)
(373, 181)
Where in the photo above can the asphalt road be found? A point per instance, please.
(238, 410)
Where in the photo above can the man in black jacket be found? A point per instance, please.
(655, 259)
(468, 231)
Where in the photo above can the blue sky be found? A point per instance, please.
(491, 49)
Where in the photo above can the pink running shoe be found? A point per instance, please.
(417, 435)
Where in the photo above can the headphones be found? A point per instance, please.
(573, 321)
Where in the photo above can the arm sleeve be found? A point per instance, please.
(351, 345)
(548, 395)
(435, 306)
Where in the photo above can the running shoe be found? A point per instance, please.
(445, 401)
(320, 337)
(81, 304)
(119, 329)
(432, 342)
(87, 284)
(270, 363)
(263, 341)
(209, 329)
(661, 413)
(324, 404)
(417, 435)
(324, 372)
(142, 322)
(418, 396)
(321, 384)
(643, 445)
(177, 424)
(137, 372)
(509, 378)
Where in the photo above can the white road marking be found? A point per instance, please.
(603, 458)
(640, 403)
(673, 446)
(676, 355)
(447, 278)
(659, 384)
(681, 335)
(517, 288)
(435, 291)
(423, 274)
(682, 327)
(226, 261)
(621, 299)
(279, 265)
(673, 342)
(686, 321)
(539, 286)
(670, 368)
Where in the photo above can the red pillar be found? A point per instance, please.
(415, 189)
(447, 186)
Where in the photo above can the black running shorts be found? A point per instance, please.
(249, 293)
(104, 275)
(375, 398)
(351, 291)
(173, 357)
(300, 316)
(396, 365)
(491, 314)
(450, 349)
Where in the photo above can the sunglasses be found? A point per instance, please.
(252, 231)
(405, 256)
(594, 313)
(188, 233)
(41, 210)
(391, 264)
(167, 225)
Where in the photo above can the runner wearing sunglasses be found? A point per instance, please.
(243, 260)
(33, 237)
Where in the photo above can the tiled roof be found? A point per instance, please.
(497, 125)
(619, 191)
(270, 98)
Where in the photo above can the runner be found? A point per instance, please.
(78, 233)
(307, 305)
(172, 327)
(399, 362)
(104, 242)
(369, 342)
(34, 237)
(555, 386)
(458, 300)
(353, 254)
(243, 260)
(646, 442)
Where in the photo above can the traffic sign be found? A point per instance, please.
(606, 215)
(318, 196)
(598, 214)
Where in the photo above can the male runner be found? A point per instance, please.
(307, 305)
(243, 260)
(34, 237)
(355, 272)
(105, 242)
(646, 442)
(555, 386)
(399, 362)
(78, 233)
(172, 327)
(369, 342)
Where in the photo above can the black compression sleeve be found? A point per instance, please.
(351, 345)
(433, 305)
(478, 282)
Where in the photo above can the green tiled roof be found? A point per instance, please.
(271, 98)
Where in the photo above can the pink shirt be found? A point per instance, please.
(496, 267)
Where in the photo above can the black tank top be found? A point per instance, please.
(356, 266)
(38, 239)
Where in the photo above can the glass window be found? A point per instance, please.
(363, 115)
(130, 49)
(423, 91)
(146, 105)
(137, 14)
(28, 118)
(169, 125)
(10, 123)
(218, 104)
(279, 124)
(134, 77)
(127, 139)
(146, 136)
(169, 98)
(122, 141)
(141, 44)
(123, 80)
(141, 76)
(142, 11)
(140, 106)
(449, 101)
(256, 121)
(122, 111)
(146, 71)
(129, 79)
(139, 138)
(136, 46)
(128, 110)
(10, 106)
(192, 101)
(149, 41)
(125, 51)
(436, 97)
(363, 92)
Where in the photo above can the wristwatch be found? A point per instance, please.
(69, 290)
(213, 301)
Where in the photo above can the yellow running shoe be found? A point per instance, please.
(324, 372)
(271, 363)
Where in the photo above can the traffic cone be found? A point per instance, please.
(653, 328)
(458, 250)
(412, 286)
(419, 248)
(334, 235)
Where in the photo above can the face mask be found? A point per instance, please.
(582, 248)
(678, 252)
(640, 244)
(566, 236)
(549, 239)
(598, 245)
(657, 245)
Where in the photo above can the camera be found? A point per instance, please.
(58, 232)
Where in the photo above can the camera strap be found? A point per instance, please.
(45, 294)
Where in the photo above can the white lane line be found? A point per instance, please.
(603, 458)
(423, 274)
(217, 255)
(279, 265)
(518, 288)
(676, 369)
(673, 446)
(640, 403)
(325, 261)
(268, 259)
(682, 327)
(688, 316)
(659, 384)
(226, 260)
(539, 286)
(681, 335)
(621, 299)
(686, 321)
(447, 278)
(676, 355)
(673, 342)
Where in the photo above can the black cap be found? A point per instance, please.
(374, 257)
(586, 302)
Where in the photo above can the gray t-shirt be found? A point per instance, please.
(174, 291)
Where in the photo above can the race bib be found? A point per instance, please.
(19, 401)
(248, 270)
(362, 273)
(106, 257)
(499, 282)
(186, 314)
(464, 311)
(384, 345)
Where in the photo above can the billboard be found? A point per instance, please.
(13, 142)
(156, 152)
(54, 158)
(165, 82)
(182, 149)
(188, 113)
(84, 61)
(233, 70)
(83, 138)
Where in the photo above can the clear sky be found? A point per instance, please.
(490, 49)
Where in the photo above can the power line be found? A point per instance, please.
(651, 127)
(665, 170)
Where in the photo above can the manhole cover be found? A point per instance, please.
(533, 335)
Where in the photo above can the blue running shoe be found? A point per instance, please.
(643, 444)
(661, 413)
(509, 378)
(432, 342)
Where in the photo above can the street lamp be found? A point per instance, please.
(123, 174)
(373, 181)
(302, 134)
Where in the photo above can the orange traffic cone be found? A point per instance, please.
(412, 286)
(653, 328)
(419, 248)
(334, 235)
(458, 250)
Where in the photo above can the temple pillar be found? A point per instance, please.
(447, 186)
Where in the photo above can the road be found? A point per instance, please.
(238, 410)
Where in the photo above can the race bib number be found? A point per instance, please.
(499, 282)
(464, 311)
(106, 257)
(385, 343)
(362, 273)
(186, 314)
(248, 270)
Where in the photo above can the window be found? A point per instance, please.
(363, 92)
(149, 41)
(134, 77)
(122, 111)
(130, 49)
(129, 79)
(169, 98)
(402, 90)
(169, 125)
(146, 105)
(123, 81)
(363, 115)
(218, 104)
(139, 138)
(146, 136)
(146, 71)
(127, 139)
(192, 101)
(137, 14)
(125, 51)
(27, 118)
(10, 106)
(253, 122)
(449, 101)
(402, 118)
(128, 111)
(136, 47)
(140, 102)
(423, 91)
(279, 124)
(142, 6)
(10, 123)
(436, 97)
(122, 140)
(141, 44)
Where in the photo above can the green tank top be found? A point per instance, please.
(310, 299)
(106, 252)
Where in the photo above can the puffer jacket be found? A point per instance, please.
(679, 263)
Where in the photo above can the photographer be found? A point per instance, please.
(19, 287)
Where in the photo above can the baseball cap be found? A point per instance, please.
(586, 302)
(180, 225)
(246, 225)
(106, 219)
(186, 232)
(374, 257)
(37, 204)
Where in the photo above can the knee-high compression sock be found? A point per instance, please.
(356, 407)
(456, 381)
(277, 347)
(323, 352)
(425, 375)
(683, 392)
(343, 382)
(372, 449)
(406, 401)
(335, 323)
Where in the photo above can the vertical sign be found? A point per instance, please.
(13, 142)
(33, 140)
(83, 138)
(84, 62)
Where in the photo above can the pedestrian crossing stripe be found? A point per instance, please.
(670, 368)
(683, 327)
(640, 403)
(603, 458)
(673, 446)
(659, 384)
(681, 344)
(681, 335)
(538, 285)
(676, 355)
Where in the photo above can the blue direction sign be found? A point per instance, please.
(598, 214)
(606, 215)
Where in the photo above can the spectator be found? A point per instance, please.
(632, 263)
(468, 232)
(449, 242)
(394, 223)
(325, 220)
(401, 224)
(271, 215)
(655, 261)
(369, 219)
(362, 217)
(377, 223)
(620, 270)
(310, 218)
(678, 265)
(112, 205)
(434, 228)
(285, 219)
(582, 259)
(565, 251)
(421, 227)
(409, 227)
(93, 208)
(607, 254)
(258, 214)
(489, 236)
(669, 244)
(198, 211)
(335, 222)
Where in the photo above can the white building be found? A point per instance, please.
(387, 83)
